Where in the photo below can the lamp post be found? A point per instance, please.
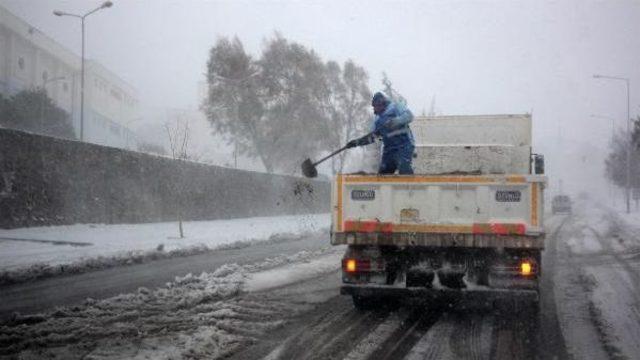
(628, 177)
(44, 98)
(104, 5)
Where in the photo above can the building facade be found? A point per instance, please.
(29, 59)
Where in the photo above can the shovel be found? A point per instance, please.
(309, 169)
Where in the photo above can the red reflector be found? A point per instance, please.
(499, 229)
(367, 226)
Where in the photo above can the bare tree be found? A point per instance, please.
(179, 144)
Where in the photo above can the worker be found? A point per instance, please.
(391, 123)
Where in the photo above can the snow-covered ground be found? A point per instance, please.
(72, 248)
(596, 280)
(598, 286)
(198, 316)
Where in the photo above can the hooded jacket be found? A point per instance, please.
(393, 138)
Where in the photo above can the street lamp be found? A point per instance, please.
(106, 4)
(44, 98)
(628, 178)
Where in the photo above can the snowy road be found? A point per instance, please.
(283, 303)
(47, 293)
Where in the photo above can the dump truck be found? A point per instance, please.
(467, 224)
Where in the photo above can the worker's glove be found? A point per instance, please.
(392, 123)
(352, 143)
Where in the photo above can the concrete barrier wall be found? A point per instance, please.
(50, 181)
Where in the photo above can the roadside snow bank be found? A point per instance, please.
(627, 229)
(309, 268)
(192, 317)
(30, 253)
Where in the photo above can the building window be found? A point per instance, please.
(21, 63)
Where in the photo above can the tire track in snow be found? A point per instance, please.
(615, 336)
(366, 347)
(329, 332)
(474, 337)
(582, 330)
(631, 271)
(456, 336)
(517, 335)
(434, 344)
(631, 256)
(412, 330)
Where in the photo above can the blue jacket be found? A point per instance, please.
(392, 138)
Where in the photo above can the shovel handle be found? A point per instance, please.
(330, 155)
(338, 151)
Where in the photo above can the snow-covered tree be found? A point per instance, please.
(616, 162)
(285, 106)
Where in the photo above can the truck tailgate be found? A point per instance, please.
(439, 210)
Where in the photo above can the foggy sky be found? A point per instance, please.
(474, 57)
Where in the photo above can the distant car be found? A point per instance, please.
(561, 204)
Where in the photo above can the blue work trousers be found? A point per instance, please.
(397, 159)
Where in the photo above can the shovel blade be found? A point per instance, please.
(309, 169)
